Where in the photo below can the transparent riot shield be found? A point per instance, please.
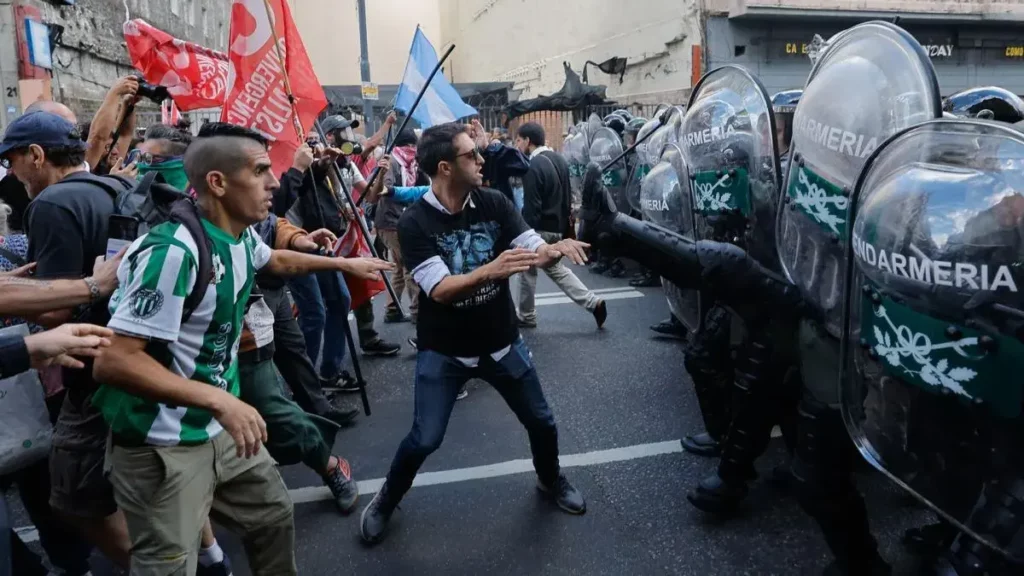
(870, 82)
(576, 154)
(653, 137)
(932, 385)
(665, 200)
(731, 150)
(605, 146)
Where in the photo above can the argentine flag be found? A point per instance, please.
(440, 103)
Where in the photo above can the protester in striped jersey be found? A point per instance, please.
(171, 380)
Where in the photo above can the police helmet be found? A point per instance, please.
(986, 102)
(624, 113)
(634, 125)
(785, 102)
(615, 122)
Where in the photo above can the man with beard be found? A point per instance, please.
(463, 242)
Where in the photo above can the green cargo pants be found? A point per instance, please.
(293, 435)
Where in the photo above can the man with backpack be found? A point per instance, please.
(66, 223)
(170, 375)
(546, 200)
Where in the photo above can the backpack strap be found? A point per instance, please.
(186, 213)
(140, 188)
(114, 186)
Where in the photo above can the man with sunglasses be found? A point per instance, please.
(462, 243)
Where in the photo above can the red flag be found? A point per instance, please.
(258, 98)
(196, 77)
(352, 244)
(169, 113)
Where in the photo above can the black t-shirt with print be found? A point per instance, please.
(485, 321)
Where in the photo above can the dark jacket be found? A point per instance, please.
(14, 358)
(546, 194)
(299, 187)
(502, 163)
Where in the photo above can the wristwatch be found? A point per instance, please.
(94, 289)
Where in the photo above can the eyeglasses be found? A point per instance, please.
(472, 154)
(152, 159)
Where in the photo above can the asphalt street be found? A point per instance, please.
(622, 401)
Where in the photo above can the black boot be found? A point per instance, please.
(672, 328)
(702, 445)
(929, 540)
(748, 435)
(373, 524)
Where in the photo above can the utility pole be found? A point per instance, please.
(364, 68)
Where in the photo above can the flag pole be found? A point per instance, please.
(426, 86)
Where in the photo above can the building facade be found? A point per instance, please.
(526, 41)
(668, 43)
(88, 53)
(330, 31)
(971, 43)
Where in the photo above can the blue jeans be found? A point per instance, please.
(323, 301)
(438, 380)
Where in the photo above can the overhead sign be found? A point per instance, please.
(39, 44)
(1014, 52)
(370, 91)
(801, 49)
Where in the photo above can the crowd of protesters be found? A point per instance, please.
(163, 385)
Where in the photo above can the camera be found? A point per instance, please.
(152, 92)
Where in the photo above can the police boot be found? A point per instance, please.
(998, 516)
(822, 474)
(708, 363)
(617, 269)
(748, 435)
(929, 540)
(645, 279)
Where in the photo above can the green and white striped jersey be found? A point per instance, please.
(157, 274)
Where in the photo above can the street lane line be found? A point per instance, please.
(598, 291)
(606, 297)
(317, 493)
(509, 468)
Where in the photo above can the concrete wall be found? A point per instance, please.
(330, 31)
(526, 41)
(93, 56)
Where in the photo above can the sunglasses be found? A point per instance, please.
(471, 155)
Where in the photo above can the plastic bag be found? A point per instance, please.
(25, 432)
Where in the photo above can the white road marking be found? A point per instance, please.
(317, 493)
(597, 291)
(563, 299)
(509, 468)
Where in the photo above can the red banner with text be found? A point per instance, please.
(195, 76)
(269, 60)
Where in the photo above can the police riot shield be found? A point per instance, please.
(605, 146)
(653, 138)
(731, 150)
(871, 81)
(665, 200)
(932, 350)
(576, 154)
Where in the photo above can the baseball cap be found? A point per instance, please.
(339, 122)
(42, 128)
